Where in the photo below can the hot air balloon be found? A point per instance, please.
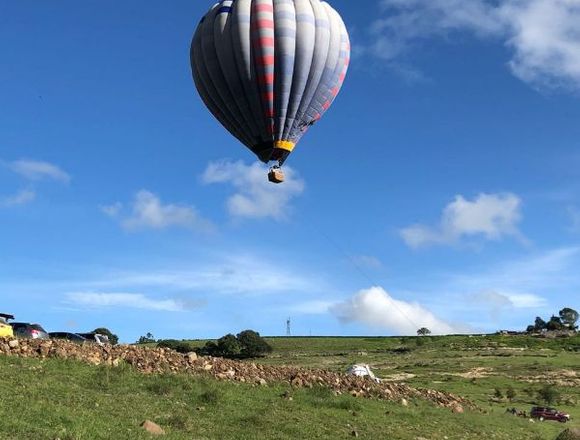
(269, 69)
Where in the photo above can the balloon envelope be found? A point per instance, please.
(269, 69)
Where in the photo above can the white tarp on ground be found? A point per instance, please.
(363, 370)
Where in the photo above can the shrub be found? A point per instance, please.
(549, 394)
(247, 344)
(497, 393)
(253, 345)
(510, 393)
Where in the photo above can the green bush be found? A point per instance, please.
(549, 394)
(247, 344)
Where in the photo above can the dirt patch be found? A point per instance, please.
(564, 378)
(474, 373)
(164, 360)
(401, 377)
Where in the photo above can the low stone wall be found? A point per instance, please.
(163, 360)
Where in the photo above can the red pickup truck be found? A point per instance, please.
(544, 413)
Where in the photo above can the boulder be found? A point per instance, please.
(152, 428)
(570, 434)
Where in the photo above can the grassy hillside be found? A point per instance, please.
(64, 399)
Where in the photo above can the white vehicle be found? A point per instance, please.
(363, 370)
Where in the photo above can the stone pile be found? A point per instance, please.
(164, 360)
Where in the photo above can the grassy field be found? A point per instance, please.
(56, 399)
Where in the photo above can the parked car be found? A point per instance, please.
(544, 413)
(5, 328)
(29, 331)
(72, 337)
(97, 338)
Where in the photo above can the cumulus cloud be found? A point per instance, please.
(148, 212)
(491, 216)
(254, 196)
(22, 197)
(127, 300)
(543, 34)
(38, 170)
(375, 308)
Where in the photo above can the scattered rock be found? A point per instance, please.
(162, 361)
(458, 409)
(152, 428)
(354, 433)
(570, 434)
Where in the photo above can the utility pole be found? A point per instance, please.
(288, 329)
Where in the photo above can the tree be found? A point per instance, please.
(539, 324)
(253, 345)
(228, 346)
(113, 339)
(423, 331)
(549, 394)
(569, 317)
(554, 323)
(147, 339)
(510, 393)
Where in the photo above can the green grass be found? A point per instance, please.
(45, 400)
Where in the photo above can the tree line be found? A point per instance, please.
(566, 319)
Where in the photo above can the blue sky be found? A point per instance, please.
(441, 189)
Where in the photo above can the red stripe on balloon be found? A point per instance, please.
(264, 8)
(267, 78)
(267, 60)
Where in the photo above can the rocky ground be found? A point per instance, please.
(163, 360)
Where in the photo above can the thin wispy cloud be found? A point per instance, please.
(126, 301)
(233, 275)
(22, 197)
(35, 170)
(377, 309)
(254, 197)
(317, 307)
(367, 261)
(147, 211)
(574, 214)
(488, 216)
(544, 272)
(542, 34)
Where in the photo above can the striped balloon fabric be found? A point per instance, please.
(269, 69)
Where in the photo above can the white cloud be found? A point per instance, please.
(254, 196)
(233, 275)
(375, 308)
(543, 34)
(497, 301)
(491, 216)
(125, 300)
(37, 170)
(548, 271)
(22, 197)
(148, 212)
(367, 261)
(113, 210)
